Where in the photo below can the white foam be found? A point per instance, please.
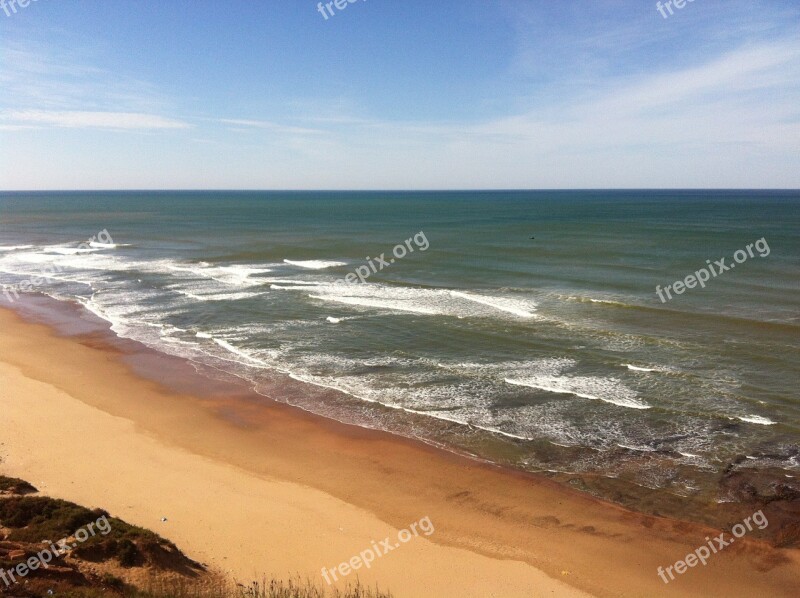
(638, 369)
(292, 281)
(236, 351)
(395, 398)
(757, 419)
(297, 287)
(465, 422)
(501, 303)
(93, 307)
(69, 250)
(314, 264)
(416, 300)
(15, 247)
(238, 275)
(177, 341)
(333, 320)
(466, 402)
(379, 303)
(607, 390)
(218, 296)
(592, 300)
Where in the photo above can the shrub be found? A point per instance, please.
(15, 486)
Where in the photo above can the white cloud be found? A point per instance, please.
(56, 78)
(262, 124)
(92, 120)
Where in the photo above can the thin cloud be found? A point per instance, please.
(93, 120)
(54, 78)
(263, 124)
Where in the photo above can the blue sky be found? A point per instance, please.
(399, 94)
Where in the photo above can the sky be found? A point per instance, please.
(399, 94)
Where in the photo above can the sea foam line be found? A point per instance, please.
(757, 419)
(638, 369)
(629, 403)
(500, 304)
(314, 264)
(391, 305)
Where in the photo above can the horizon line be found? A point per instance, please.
(389, 190)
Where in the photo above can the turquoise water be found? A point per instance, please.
(552, 353)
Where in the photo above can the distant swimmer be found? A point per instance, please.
(533, 237)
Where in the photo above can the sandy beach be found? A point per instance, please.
(276, 491)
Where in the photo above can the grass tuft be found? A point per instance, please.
(182, 588)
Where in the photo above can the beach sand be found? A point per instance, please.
(277, 491)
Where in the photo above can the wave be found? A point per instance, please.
(236, 351)
(639, 369)
(503, 304)
(608, 390)
(379, 303)
(314, 264)
(293, 281)
(15, 247)
(369, 395)
(757, 419)
(231, 275)
(91, 305)
(673, 310)
(99, 245)
(616, 303)
(69, 250)
(297, 287)
(432, 302)
(218, 296)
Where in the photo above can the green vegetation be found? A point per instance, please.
(27, 521)
(36, 518)
(15, 486)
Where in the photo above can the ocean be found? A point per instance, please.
(522, 328)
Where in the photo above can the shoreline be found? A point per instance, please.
(496, 530)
